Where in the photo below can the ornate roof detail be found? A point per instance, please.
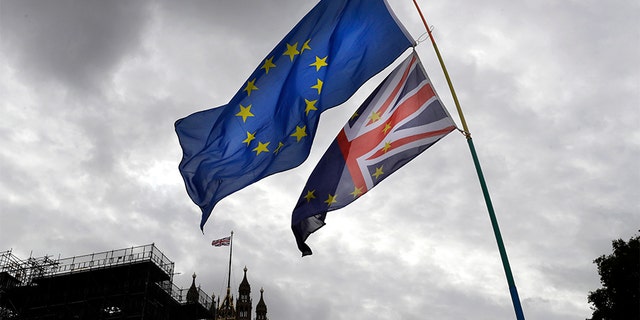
(192, 294)
(261, 307)
(244, 285)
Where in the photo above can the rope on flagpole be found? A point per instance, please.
(515, 299)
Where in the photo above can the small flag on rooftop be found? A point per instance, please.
(221, 242)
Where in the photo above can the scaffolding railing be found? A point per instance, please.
(9, 262)
(180, 294)
(11, 270)
(26, 271)
(112, 258)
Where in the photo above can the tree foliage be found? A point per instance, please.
(619, 297)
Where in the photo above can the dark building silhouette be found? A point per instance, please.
(261, 308)
(244, 299)
(131, 283)
(225, 309)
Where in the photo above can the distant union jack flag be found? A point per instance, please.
(221, 242)
(402, 118)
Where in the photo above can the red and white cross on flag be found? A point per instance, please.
(402, 118)
(221, 242)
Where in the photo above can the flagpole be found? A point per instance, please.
(485, 191)
(230, 251)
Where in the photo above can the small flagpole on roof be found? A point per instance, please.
(494, 222)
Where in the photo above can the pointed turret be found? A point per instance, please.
(244, 285)
(192, 294)
(261, 308)
(243, 304)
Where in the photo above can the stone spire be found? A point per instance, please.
(261, 308)
(192, 294)
(244, 285)
(243, 303)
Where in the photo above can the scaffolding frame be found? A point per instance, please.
(139, 277)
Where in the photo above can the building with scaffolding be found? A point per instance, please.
(131, 283)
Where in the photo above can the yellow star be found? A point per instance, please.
(310, 195)
(374, 116)
(319, 63)
(262, 147)
(387, 126)
(330, 200)
(268, 64)
(386, 147)
(245, 112)
(378, 172)
(300, 132)
(280, 145)
(354, 115)
(292, 51)
(250, 137)
(318, 86)
(311, 105)
(305, 46)
(250, 87)
(356, 192)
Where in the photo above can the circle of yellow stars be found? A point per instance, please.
(245, 112)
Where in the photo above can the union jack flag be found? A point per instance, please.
(221, 242)
(402, 118)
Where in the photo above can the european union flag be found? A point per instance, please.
(269, 125)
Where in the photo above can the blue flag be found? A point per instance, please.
(269, 125)
(402, 118)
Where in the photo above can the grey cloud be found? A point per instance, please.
(71, 43)
(90, 90)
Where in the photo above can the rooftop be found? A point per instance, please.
(17, 272)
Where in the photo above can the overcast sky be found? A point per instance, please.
(90, 91)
